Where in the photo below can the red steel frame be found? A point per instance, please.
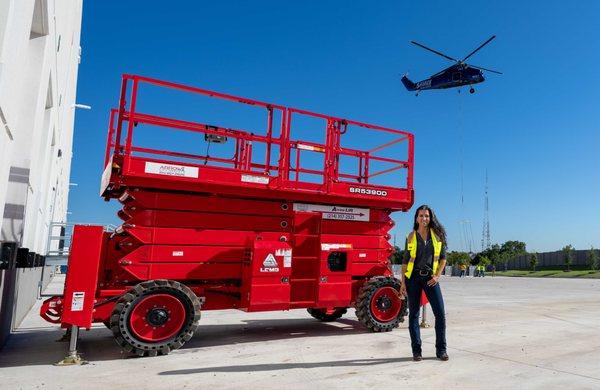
(214, 230)
(335, 186)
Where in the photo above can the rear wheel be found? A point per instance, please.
(155, 317)
(327, 315)
(379, 306)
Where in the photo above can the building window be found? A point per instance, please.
(49, 99)
(39, 20)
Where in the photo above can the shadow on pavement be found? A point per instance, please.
(288, 366)
(252, 331)
(38, 346)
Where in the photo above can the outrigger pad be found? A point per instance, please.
(72, 360)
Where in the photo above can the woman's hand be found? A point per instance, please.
(433, 281)
(402, 292)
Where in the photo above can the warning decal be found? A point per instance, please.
(77, 303)
(287, 261)
(171, 169)
(342, 213)
(255, 179)
(106, 176)
(270, 264)
(287, 257)
(310, 147)
(270, 261)
(328, 247)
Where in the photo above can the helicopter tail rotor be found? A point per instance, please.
(408, 84)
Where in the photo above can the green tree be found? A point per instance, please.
(458, 258)
(592, 259)
(533, 261)
(479, 258)
(484, 260)
(503, 258)
(510, 250)
(567, 252)
(516, 247)
(492, 253)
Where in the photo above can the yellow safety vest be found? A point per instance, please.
(411, 240)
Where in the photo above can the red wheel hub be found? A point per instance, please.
(385, 304)
(157, 317)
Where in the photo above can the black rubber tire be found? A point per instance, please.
(363, 304)
(321, 314)
(119, 323)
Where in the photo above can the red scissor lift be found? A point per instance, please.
(248, 232)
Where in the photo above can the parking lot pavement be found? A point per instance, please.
(502, 333)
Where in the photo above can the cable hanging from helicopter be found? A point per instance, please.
(466, 232)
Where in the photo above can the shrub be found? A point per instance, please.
(568, 256)
(593, 259)
(533, 261)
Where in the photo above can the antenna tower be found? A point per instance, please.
(485, 236)
(467, 235)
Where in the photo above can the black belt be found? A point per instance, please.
(424, 272)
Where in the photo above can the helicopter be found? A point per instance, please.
(456, 75)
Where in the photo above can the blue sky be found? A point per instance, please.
(536, 129)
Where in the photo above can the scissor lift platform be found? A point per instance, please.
(279, 177)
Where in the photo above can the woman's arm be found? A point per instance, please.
(434, 278)
(441, 267)
(403, 280)
(405, 260)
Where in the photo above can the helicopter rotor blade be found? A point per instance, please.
(487, 70)
(434, 51)
(480, 46)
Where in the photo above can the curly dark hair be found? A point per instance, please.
(434, 224)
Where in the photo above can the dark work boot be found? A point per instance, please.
(442, 356)
(417, 357)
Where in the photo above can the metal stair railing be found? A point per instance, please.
(59, 241)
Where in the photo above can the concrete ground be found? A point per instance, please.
(502, 333)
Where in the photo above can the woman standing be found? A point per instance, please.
(424, 260)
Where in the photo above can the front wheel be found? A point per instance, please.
(155, 317)
(379, 306)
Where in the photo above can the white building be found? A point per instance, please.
(39, 60)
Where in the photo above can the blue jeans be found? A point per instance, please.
(414, 286)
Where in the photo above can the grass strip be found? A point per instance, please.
(550, 273)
